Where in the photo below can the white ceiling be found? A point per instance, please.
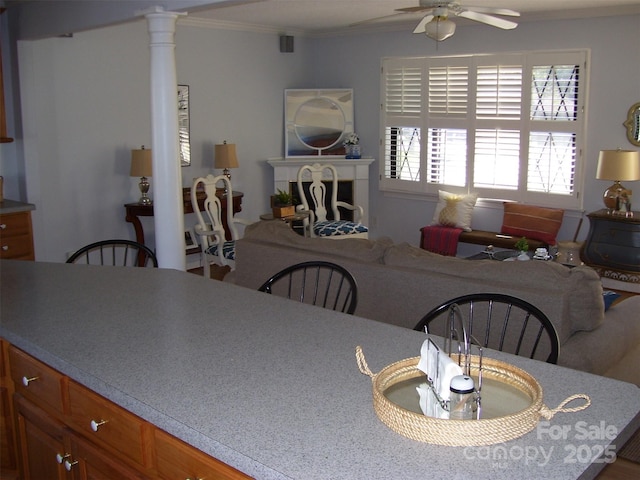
(323, 16)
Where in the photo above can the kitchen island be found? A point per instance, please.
(270, 386)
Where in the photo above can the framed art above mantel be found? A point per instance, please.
(317, 121)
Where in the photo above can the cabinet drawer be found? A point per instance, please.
(16, 237)
(36, 381)
(16, 247)
(101, 421)
(177, 460)
(13, 224)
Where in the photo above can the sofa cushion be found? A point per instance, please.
(454, 210)
(530, 221)
(357, 248)
(580, 286)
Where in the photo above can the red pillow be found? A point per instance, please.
(536, 223)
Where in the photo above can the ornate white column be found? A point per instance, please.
(167, 176)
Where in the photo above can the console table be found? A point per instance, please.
(612, 246)
(135, 210)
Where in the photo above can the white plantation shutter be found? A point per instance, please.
(402, 86)
(448, 90)
(497, 159)
(447, 156)
(403, 90)
(499, 92)
(507, 126)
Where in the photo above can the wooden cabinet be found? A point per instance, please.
(108, 425)
(51, 450)
(16, 236)
(612, 246)
(8, 457)
(68, 432)
(176, 460)
(42, 443)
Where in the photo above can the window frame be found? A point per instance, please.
(469, 122)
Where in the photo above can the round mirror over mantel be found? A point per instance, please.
(633, 124)
(317, 121)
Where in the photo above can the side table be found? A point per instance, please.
(135, 210)
(612, 247)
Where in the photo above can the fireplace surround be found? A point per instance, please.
(354, 170)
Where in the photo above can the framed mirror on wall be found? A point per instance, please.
(317, 121)
(183, 125)
(633, 124)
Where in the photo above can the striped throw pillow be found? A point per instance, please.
(536, 223)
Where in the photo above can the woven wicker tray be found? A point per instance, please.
(461, 432)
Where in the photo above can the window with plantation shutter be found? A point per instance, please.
(506, 126)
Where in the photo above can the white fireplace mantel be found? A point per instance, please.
(357, 170)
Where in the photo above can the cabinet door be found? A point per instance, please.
(176, 460)
(95, 464)
(42, 443)
(8, 458)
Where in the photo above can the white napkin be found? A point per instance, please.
(440, 369)
(429, 403)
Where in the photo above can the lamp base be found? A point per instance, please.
(144, 189)
(617, 199)
(145, 200)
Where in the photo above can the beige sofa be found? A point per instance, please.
(398, 284)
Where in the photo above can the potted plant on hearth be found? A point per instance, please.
(522, 246)
(282, 204)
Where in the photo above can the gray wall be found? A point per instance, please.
(85, 105)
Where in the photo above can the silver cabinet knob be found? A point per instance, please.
(61, 457)
(95, 425)
(27, 380)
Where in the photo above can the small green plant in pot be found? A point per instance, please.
(522, 245)
(282, 204)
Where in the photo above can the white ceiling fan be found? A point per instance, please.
(437, 25)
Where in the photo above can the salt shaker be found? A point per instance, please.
(462, 400)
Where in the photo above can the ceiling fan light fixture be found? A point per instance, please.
(439, 28)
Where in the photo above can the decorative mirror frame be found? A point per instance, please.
(331, 129)
(183, 126)
(633, 124)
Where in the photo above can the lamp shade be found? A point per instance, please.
(440, 28)
(618, 165)
(140, 163)
(226, 156)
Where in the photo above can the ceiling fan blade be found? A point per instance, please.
(423, 23)
(494, 11)
(412, 9)
(376, 19)
(488, 19)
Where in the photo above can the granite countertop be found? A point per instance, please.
(271, 386)
(11, 206)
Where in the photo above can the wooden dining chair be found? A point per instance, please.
(117, 253)
(498, 321)
(318, 283)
